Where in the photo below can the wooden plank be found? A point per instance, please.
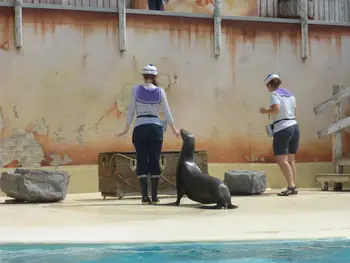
(335, 127)
(337, 144)
(343, 162)
(18, 24)
(303, 12)
(122, 25)
(326, 10)
(338, 178)
(341, 10)
(330, 174)
(346, 10)
(343, 94)
(217, 28)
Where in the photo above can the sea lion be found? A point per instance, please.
(197, 186)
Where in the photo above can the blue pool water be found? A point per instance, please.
(316, 251)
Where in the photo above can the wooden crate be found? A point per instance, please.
(117, 173)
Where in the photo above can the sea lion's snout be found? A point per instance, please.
(185, 134)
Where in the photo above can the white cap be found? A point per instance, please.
(271, 77)
(150, 69)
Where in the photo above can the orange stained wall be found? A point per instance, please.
(70, 86)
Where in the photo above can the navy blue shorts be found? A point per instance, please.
(148, 140)
(286, 141)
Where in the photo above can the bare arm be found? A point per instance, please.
(273, 110)
(167, 112)
(131, 110)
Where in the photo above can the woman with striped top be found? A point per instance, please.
(147, 100)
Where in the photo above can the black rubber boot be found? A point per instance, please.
(144, 191)
(155, 183)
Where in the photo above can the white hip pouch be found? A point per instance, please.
(269, 131)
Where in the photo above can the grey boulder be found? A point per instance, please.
(245, 182)
(35, 186)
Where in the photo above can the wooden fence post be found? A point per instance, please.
(18, 23)
(217, 28)
(303, 13)
(122, 25)
(337, 139)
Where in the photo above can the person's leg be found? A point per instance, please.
(154, 157)
(139, 139)
(281, 148)
(291, 161)
(159, 4)
(152, 4)
(293, 148)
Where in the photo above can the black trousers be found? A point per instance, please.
(148, 141)
(155, 4)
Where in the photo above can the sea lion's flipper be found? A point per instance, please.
(218, 206)
(231, 206)
(170, 204)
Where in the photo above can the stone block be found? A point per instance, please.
(34, 185)
(245, 182)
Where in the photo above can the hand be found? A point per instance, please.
(123, 133)
(262, 110)
(177, 133)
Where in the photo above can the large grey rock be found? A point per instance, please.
(245, 182)
(35, 186)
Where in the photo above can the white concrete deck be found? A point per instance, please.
(90, 219)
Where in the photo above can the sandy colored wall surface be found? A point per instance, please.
(66, 92)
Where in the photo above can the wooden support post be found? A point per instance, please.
(303, 13)
(217, 27)
(18, 23)
(122, 25)
(337, 139)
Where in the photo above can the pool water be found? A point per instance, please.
(316, 251)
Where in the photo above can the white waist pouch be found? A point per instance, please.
(269, 131)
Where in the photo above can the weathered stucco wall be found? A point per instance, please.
(66, 92)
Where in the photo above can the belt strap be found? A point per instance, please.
(273, 124)
(147, 116)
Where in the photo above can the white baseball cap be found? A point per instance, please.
(150, 69)
(271, 77)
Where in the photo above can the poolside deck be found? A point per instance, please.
(88, 218)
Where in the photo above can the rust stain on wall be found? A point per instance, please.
(85, 22)
(6, 14)
(179, 28)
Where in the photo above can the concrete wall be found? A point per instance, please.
(66, 92)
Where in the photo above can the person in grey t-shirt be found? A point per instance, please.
(285, 130)
(147, 100)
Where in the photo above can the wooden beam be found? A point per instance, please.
(339, 124)
(122, 25)
(335, 127)
(303, 13)
(217, 28)
(18, 23)
(343, 94)
(338, 178)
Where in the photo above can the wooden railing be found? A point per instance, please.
(335, 129)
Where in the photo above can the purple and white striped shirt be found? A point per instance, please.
(147, 108)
